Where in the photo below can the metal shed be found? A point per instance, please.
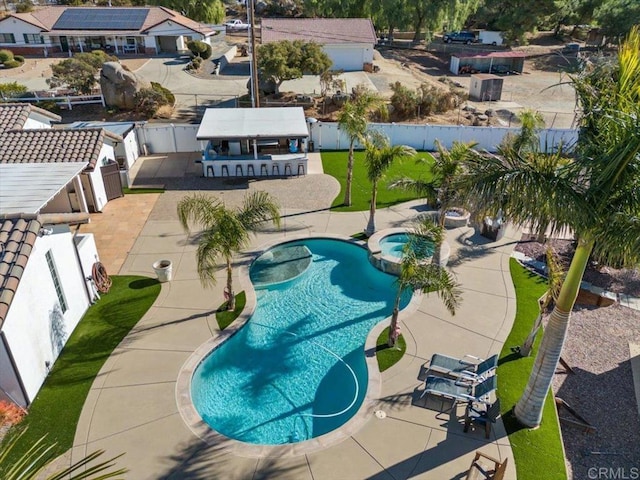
(487, 62)
(485, 87)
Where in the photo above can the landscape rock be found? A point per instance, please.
(119, 86)
(488, 112)
(483, 118)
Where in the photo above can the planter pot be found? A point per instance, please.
(163, 269)
(456, 217)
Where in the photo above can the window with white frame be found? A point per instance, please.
(33, 38)
(56, 281)
(7, 38)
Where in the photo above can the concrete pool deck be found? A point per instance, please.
(132, 405)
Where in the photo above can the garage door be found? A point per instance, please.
(168, 44)
(346, 58)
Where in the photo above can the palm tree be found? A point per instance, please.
(415, 274)
(596, 195)
(352, 119)
(379, 155)
(225, 231)
(527, 139)
(39, 457)
(446, 167)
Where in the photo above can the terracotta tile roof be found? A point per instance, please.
(320, 30)
(17, 237)
(52, 146)
(13, 116)
(46, 17)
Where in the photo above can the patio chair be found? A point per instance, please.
(458, 391)
(484, 467)
(488, 417)
(461, 368)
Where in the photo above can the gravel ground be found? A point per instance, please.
(602, 389)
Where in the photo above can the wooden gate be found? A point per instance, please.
(111, 180)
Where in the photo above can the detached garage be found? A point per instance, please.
(349, 42)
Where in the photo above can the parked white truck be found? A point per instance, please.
(488, 37)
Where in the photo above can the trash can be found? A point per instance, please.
(311, 146)
(163, 270)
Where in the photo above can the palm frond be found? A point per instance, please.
(423, 188)
(258, 208)
(198, 210)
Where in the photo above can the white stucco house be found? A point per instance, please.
(348, 42)
(44, 267)
(121, 30)
(26, 137)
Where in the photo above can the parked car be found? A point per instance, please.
(236, 25)
(460, 37)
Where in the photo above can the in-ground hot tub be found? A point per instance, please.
(386, 248)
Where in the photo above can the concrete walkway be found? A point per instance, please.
(132, 404)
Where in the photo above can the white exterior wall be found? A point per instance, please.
(18, 28)
(128, 149)
(88, 253)
(150, 42)
(100, 195)
(58, 204)
(349, 57)
(29, 322)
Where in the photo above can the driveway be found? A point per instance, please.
(132, 405)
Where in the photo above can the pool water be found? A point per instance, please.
(296, 370)
(393, 245)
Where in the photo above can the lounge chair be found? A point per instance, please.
(460, 391)
(461, 368)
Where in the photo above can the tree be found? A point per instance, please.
(596, 196)
(286, 60)
(39, 457)
(12, 90)
(617, 17)
(515, 18)
(379, 155)
(352, 119)
(79, 72)
(416, 274)
(225, 231)
(206, 11)
(440, 191)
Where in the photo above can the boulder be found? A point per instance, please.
(119, 86)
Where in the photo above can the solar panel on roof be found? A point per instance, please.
(101, 19)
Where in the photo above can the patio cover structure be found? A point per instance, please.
(29, 188)
(253, 142)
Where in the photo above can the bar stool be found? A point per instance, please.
(275, 169)
(287, 169)
(210, 171)
(224, 171)
(239, 171)
(250, 171)
(264, 170)
(300, 169)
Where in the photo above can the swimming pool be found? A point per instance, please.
(297, 370)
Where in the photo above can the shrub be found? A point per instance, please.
(18, 58)
(11, 64)
(199, 49)
(49, 105)
(169, 97)
(10, 413)
(5, 56)
(24, 6)
(403, 101)
(12, 89)
(149, 100)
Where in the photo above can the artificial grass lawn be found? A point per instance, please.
(388, 357)
(538, 453)
(224, 317)
(56, 409)
(130, 191)
(335, 164)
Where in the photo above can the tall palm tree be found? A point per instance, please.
(415, 274)
(597, 196)
(226, 231)
(352, 119)
(379, 155)
(439, 190)
(32, 463)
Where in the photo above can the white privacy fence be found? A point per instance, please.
(172, 138)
